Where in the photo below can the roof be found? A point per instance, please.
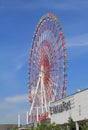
(71, 95)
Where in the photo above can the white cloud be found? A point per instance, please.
(10, 112)
(17, 99)
(19, 67)
(10, 107)
(77, 45)
(78, 41)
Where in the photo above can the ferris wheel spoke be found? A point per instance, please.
(54, 92)
(34, 63)
(56, 85)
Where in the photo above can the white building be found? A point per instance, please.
(74, 106)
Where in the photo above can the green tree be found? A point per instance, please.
(15, 128)
(70, 123)
(44, 126)
(57, 127)
(84, 127)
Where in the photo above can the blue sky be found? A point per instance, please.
(18, 20)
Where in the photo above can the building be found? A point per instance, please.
(74, 106)
(8, 126)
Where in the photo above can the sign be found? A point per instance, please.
(64, 106)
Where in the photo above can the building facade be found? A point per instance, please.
(8, 126)
(74, 106)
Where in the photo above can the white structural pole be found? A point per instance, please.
(42, 96)
(27, 117)
(37, 114)
(41, 77)
(18, 120)
(77, 125)
(43, 88)
(34, 96)
(45, 98)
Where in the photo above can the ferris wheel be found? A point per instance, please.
(47, 67)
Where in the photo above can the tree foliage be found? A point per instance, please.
(84, 127)
(15, 128)
(70, 123)
(44, 126)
